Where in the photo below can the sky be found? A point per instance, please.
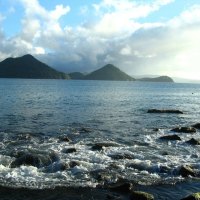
(157, 37)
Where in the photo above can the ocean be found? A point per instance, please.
(65, 139)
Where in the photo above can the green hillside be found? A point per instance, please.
(76, 75)
(109, 72)
(157, 79)
(28, 67)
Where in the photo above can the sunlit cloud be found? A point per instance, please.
(113, 34)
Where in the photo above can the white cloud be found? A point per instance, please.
(59, 12)
(114, 35)
(31, 29)
(49, 20)
(38, 23)
(119, 16)
(126, 50)
(39, 50)
(190, 16)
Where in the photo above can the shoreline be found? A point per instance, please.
(160, 192)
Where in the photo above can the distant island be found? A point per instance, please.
(76, 76)
(28, 67)
(110, 72)
(157, 79)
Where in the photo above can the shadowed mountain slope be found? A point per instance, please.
(109, 72)
(28, 67)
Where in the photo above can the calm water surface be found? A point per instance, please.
(37, 114)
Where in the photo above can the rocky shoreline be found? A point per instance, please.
(109, 180)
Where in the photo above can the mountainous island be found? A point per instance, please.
(110, 72)
(28, 67)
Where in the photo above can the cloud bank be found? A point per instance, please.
(115, 33)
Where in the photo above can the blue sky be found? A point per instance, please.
(160, 37)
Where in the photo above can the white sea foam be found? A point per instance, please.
(157, 160)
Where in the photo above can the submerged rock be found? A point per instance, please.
(121, 156)
(138, 195)
(17, 154)
(34, 159)
(195, 196)
(64, 139)
(164, 169)
(85, 130)
(186, 171)
(73, 164)
(113, 197)
(69, 150)
(164, 153)
(121, 186)
(193, 142)
(99, 146)
(184, 130)
(197, 125)
(165, 111)
(105, 176)
(170, 137)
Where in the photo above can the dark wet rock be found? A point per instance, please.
(34, 159)
(186, 171)
(197, 125)
(64, 139)
(156, 129)
(121, 156)
(73, 164)
(85, 130)
(114, 166)
(105, 176)
(108, 144)
(113, 197)
(193, 141)
(69, 150)
(165, 153)
(184, 130)
(99, 146)
(138, 195)
(195, 196)
(170, 137)
(17, 154)
(63, 166)
(194, 156)
(121, 186)
(100, 175)
(164, 111)
(164, 169)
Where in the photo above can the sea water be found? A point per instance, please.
(42, 118)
